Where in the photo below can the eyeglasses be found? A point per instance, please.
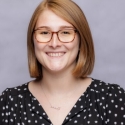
(65, 35)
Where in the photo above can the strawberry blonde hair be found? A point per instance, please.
(72, 13)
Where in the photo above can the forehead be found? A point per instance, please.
(50, 19)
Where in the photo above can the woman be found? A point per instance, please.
(61, 56)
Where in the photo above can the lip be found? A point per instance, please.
(55, 54)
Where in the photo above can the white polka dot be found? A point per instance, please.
(29, 121)
(109, 111)
(40, 117)
(120, 99)
(112, 101)
(81, 106)
(67, 118)
(88, 122)
(96, 121)
(116, 106)
(11, 120)
(6, 121)
(75, 106)
(122, 108)
(122, 123)
(75, 121)
(79, 99)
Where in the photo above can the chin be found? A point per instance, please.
(56, 69)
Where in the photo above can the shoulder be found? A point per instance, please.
(113, 93)
(113, 98)
(11, 97)
(108, 88)
(15, 91)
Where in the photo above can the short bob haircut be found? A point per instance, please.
(72, 13)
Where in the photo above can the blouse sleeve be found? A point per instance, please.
(115, 106)
(4, 107)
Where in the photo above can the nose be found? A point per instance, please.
(54, 42)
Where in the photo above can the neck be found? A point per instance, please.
(58, 83)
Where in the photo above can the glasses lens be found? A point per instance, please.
(66, 35)
(43, 35)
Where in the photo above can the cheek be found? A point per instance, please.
(38, 48)
(39, 53)
(37, 45)
(73, 50)
(75, 45)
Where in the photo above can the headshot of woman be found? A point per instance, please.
(60, 58)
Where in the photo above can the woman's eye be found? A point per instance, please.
(65, 32)
(44, 32)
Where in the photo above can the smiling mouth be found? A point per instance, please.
(55, 54)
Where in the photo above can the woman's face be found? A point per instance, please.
(55, 56)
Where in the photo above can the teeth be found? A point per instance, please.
(55, 54)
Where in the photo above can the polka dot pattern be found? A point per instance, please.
(100, 104)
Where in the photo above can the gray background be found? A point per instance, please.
(107, 22)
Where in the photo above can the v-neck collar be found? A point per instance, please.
(79, 106)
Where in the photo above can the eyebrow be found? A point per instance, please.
(61, 27)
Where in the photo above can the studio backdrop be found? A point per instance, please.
(107, 23)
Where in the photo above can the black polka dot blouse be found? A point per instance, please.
(100, 104)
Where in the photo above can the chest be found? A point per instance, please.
(34, 117)
(78, 111)
(58, 111)
(30, 112)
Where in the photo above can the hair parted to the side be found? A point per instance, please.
(72, 13)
